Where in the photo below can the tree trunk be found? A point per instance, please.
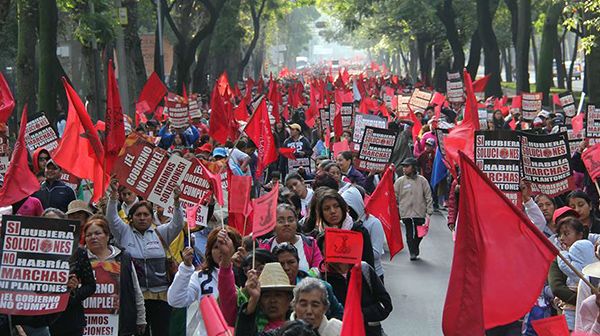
(48, 23)
(543, 76)
(159, 66)
(424, 50)
(572, 65)
(534, 52)
(446, 15)
(256, 15)
(490, 47)
(506, 65)
(414, 60)
(522, 48)
(513, 7)
(136, 71)
(405, 62)
(200, 72)
(259, 56)
(474, 54)
(442, 67)
(561, 72)
(4, 9)
(25, 62)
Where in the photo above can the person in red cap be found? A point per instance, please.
(204, 151)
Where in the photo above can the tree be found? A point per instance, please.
(522, 48)
(47, 75)
(136, 71)
(256, 11)
(549, 41)
(27, 12)
(490, 47)
(445, 12)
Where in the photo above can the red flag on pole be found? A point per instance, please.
(7, 101)
(265, 213)
(219, 118)
(259, 131)
(383, 205)
(480, 84)
(191, 213)
(556, 100)
(499, 256)
(114, 126)
(19, 181)
(577, 123)
(214, 321)
(80, 152)
(591, 159)
(153, 92)
(241, 112)
(343, 246)
(551, 326)
(239, 195)
(353, 322)
(416, 127)
(288, 152)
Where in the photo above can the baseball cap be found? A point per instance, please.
(219, 151)
(296, 127)
(564, 212)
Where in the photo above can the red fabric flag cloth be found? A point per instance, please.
(265, 213)
(214, 321)
(499, 256)
(551, 326)
(239, 197)
(516, 102)
(19, 181)
(353, 323)
(416, 127)
(191, 212)
(140, 118)
(556, 100)
(338, 125)
(273, 97)
(223, 86)
(114, 126)
(153, 92)
(259, 131)
(286, 113)
(480, 84)
(219, 118)
(591, 159)
(260, 86)
(341, 146)
(7, 101)
(288, 152)
(384, 205)
(80, 151)
(438, 99)
(240, 113)
(343, 246)
(577, 123)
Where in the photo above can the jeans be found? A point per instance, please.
(412, 240)
(158, 317)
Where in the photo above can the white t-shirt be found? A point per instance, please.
(304, 202)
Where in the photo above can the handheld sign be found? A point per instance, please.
(591, 159)
(592, 128)
(376, 149)
(265, 213)
(39, 133)
(343, 246)
(568, 104)
(34, 264)
(531, 105)
(102, 308)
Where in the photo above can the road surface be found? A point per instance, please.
(418, 288)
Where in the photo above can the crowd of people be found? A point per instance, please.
(279, 283)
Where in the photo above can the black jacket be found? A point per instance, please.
(55, 195)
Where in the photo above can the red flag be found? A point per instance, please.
(286, 113)
(327, 138)
(114, 126)
(577, 123)
(265, 213)
(260, 86)
(273, 97)
(259, 131)
(383, 205)
(219, 118)
(7, 102)
(551, 326)
(241, 112)
(341, 146)
(239, 195)
(214, 321)
(248, 91)
(343, 246)
(591, 159)
(513, 123)
(353, 323)
(19, 181)
(288, 152)
(140, 118)
(416, 127)
(223, 86)
(480, 84)
(80, 152)
(516, 102)
(191, 213)
(499, 256)
(556, 100)
(153, 92)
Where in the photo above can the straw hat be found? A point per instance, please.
(273, 277)
(592, 270)
(78, 205)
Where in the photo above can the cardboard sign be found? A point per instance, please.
(35, 263)
(531, 105)
(568, 104)
(265, 213)
(39, 133)
(194, 107)
(454, 88)
(347, 115)
(178, 111)
(360, 122)
(402, 111)
(387, 98)
(483, 119)
(376, 149)
(306, 163)
(591, 159)
(592, 126)
(574, 140)
(102, 308)
(343, 246)
(4, 154)
(420, 99)
(326, 120)
(546, 163)
(498, 155)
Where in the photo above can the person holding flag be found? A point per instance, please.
(414, 202)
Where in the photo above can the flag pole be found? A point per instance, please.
(597, 187)
(222, 222)
(579, 274)
(253, 253)
(189, 234)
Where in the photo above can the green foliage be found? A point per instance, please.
(98, 26)
(583, 17)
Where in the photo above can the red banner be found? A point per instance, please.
(343, 246)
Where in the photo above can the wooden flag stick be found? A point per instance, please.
(189, 235)
(253, 254)
(579, 274)
(222, 222)
(597, 187)
(245, 222)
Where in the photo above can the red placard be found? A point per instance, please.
(343, 246)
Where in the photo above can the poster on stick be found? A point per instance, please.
(35, 263)
(178, 112)
(420, 99)
(498, 155)
(347, 115)
(454, 88)
(102, 308)
(360, 122)
(376, 149)
(568, 104)
(545, 163)
(194, 107)
(402, 111)
(531, 105)
(304, 163)
(39, 133)
(592, 126)
(326, 121)
(343, 246)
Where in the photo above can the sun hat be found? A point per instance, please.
(273, 277)
(79, 205)
(592, 270)
(564, 212)
(296, 127)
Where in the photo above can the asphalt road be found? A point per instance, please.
(418, 288)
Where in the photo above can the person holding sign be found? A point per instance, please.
(147, 244)
(344, 160)
(125, 314)
(414, 202)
